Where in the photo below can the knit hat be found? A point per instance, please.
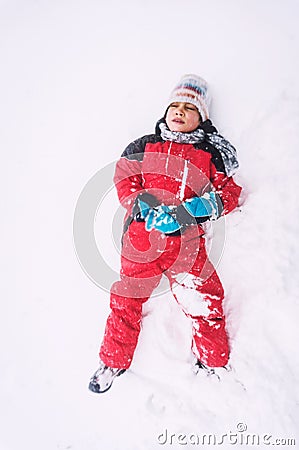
(193, 89)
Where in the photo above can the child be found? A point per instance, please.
(170, 182)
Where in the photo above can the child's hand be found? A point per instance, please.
(143, 199)
(161, 219)
(206, 207)
(158, 217)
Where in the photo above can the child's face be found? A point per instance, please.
(183, 117)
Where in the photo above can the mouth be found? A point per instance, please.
(178, 121)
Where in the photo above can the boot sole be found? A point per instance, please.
(93, 387)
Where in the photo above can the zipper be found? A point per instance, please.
(184, 179)
(185, 173)
(167, 160)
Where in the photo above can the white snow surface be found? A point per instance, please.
(79, 81)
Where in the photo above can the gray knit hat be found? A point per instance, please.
(193, 89)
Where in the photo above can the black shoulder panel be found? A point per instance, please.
(135, 149)
(216, 156)
(208, 127)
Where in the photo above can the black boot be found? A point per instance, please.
(215, 371)
(103, 378)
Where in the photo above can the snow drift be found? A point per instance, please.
(79, 81)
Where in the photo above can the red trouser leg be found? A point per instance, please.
(123, 326)
(140, 275)
(200, 295)
(210, 342)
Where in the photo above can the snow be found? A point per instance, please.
(79, 81)
(192, 302)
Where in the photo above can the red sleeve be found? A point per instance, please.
(128, 180)
(227, 189)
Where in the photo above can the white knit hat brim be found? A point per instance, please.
(199, 103)
(192, 89)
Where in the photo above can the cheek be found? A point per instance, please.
(195, 121)
(168, 118)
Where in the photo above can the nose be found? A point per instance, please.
(179, 112)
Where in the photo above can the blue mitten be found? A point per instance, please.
(159, 218)
(143, 198)
(144, 209)
(164, 221)
(205, 206)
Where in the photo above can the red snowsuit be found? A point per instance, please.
(172, 172)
